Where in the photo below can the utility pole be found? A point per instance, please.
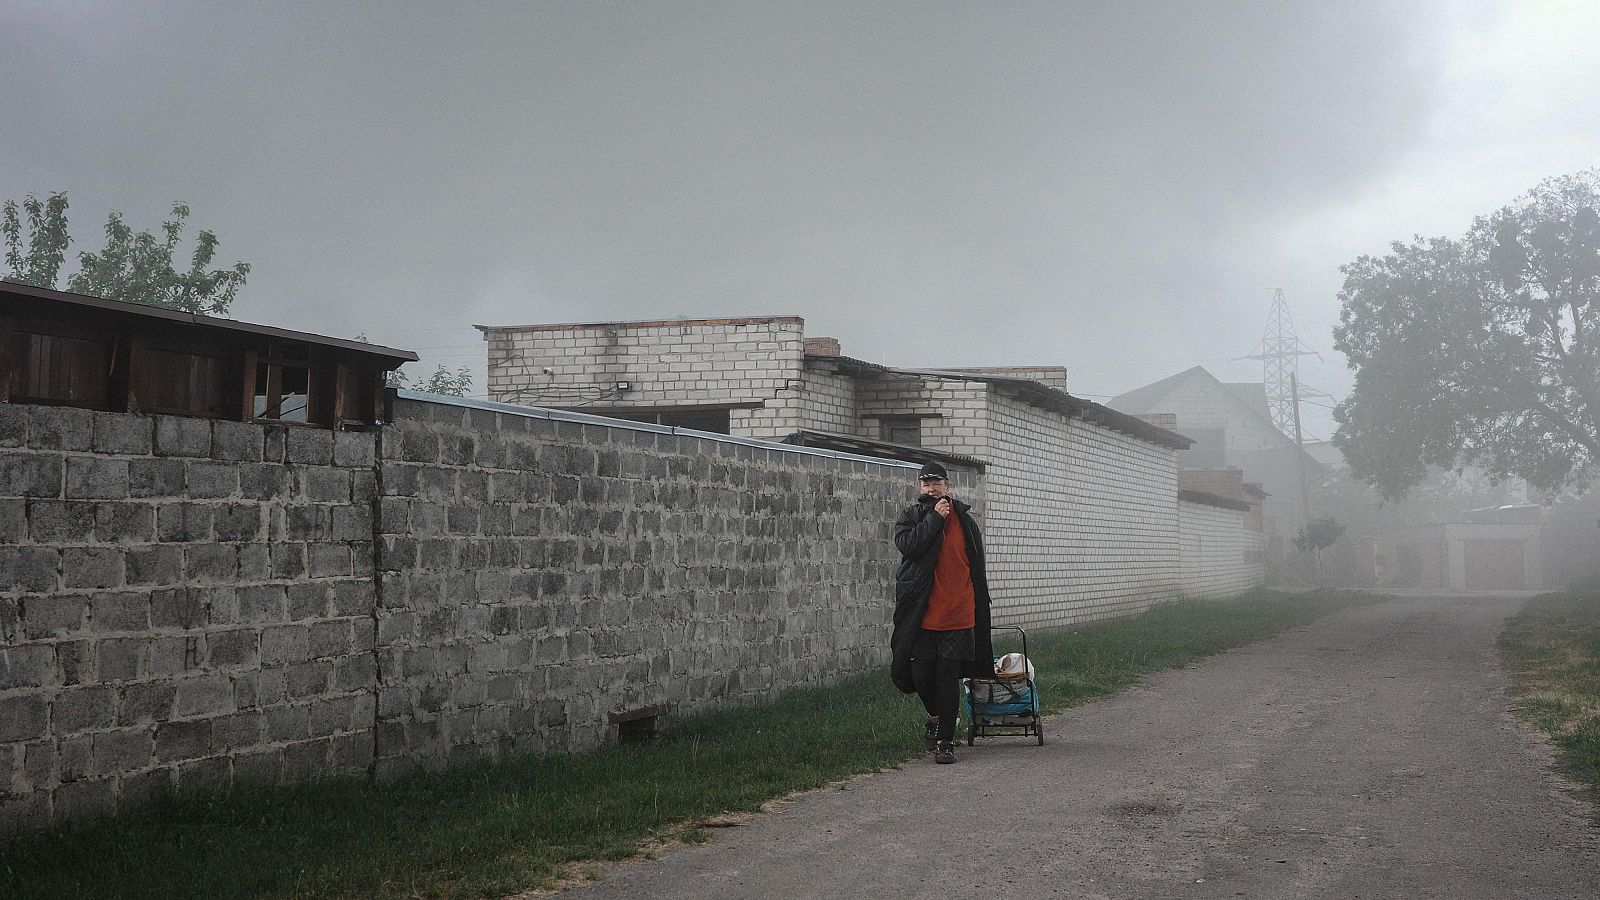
(1300, 447)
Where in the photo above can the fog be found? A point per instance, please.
(1116, 188)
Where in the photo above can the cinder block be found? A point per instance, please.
(178, 608)
(119, 611)
(117, 752)
(238, 441)
(155, 478)
(30, 475)
(307, 600)
(183, 522)
(210, 562)
(123, 433)
(75, 661)
(123, 522)
(238, 731)
(61, 428)
(13, 425)
(177, 436)
(13, 520)
(264, 481)
(182, 740)
(30, 568)
(284, 644)
(288, 723)
(90, 477)
(83, 709)
(204, 695)
(47, 615)
(262, 604)
(144, 702)
(211, 481)
(329, 561)
(353, 448)
(61, 521)
(121, 659)
(238, 522)
(153, 565)
(309, 446)
(93, 567)
(23, 717)
(232, 649)
(288, 560)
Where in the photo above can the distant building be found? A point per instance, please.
(1231, 427)
(1080, 501)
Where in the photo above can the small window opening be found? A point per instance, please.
(637, 731)
(906, 431)
(637, 726)
(283, 392)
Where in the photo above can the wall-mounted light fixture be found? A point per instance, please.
(624, 386)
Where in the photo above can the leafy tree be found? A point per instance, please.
(443, 381)
(1479, 351)
(47, 239)
(133, 266)
(137, 267)
(1316, 536)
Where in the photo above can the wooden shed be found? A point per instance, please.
(75, 350)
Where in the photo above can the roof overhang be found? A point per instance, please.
(848, 443)
(18, 295)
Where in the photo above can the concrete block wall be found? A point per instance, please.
(1082, 520)
(1219, 554)
(184, 604)
(540, 577)
(756, 362)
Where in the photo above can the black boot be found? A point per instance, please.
(930, 734)
(946, 753)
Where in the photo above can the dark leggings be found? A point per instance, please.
(938, 683)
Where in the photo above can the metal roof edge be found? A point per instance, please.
(562, 415)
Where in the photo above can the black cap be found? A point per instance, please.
(932, 472)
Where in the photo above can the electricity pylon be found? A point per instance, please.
(1280, 365)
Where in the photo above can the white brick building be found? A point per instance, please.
(1231, 426)
(1080, 501)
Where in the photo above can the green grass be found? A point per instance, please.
(494, 829)
(1551, 650)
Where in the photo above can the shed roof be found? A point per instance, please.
(16, 294)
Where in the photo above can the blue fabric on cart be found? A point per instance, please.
(1000, 698)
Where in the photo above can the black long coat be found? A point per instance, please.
(917, 533)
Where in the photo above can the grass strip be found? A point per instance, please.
(492, 829)
(1551, 651)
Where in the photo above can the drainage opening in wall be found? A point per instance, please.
(636, 726)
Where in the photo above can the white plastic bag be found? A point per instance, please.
(1011, 666)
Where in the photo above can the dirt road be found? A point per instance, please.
(1371, 754)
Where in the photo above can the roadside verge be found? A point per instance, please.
(489, 830)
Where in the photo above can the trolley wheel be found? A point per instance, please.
(1038, 728)
(972, 731)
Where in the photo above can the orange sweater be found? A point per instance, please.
(950, 603)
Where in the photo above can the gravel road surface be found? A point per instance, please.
(1371, 754)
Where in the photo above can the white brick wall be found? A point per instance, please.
(734, 361)
(1219, 556)
(1082, 520)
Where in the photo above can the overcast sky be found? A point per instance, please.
(1113, 187)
